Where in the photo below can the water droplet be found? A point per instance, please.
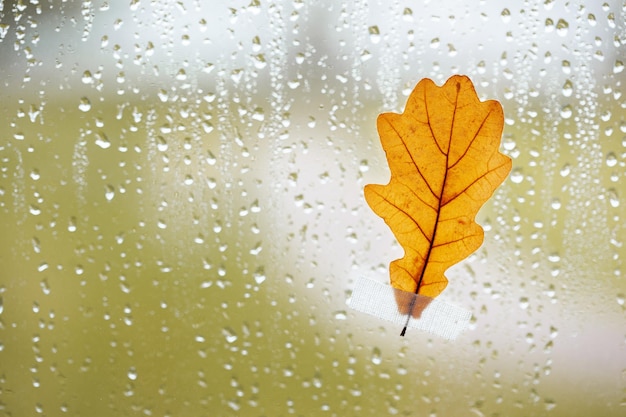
(517, 176)
(85, 104)
(613, 198)
(506, 15)
(562, 27)
(554, 257)
(523, 303)
(87, 77)
(508, 142)
(566, 111)
(618, 67)
(229, 334)
(236, 75)
(161, 143)
(407, 15)
(376, 356)
(549, 404)
(71, 227)
(259, 275)
(102, 140)
(530, 338)
(611, 159)
(109, 192)
(340, 315)
(567, 88)
(45, 287)
(132, 373)
(374, 34)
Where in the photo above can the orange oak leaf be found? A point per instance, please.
(445, 164)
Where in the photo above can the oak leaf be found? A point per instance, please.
(444, 161)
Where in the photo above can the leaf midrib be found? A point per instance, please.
(443, 185)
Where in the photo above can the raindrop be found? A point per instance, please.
(340, 315)
(506, 15)
(258, 114)
(87, 78)
(109, 192)
(562, 27)
(618, 67)
(376, 356)
(481, 67)
(566, 67)
(407, 15)
(229, 334)
(45, 287)
(71, 227)
(374, 34)
(554, 257)
(102, 140)
(567, 88)
(132, 373)
(613, 198)
(259, 61)
(523, 303)
(259, 276)
(566, 111)
(591, 19)
(517, 176)
(236, 75)
(611, 159)
(161, 143)
(530, 338)
(85, 104)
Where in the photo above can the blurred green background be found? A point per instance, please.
(183, 220)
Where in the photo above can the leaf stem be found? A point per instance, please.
(409, 314)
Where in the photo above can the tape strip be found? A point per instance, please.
(434, 316)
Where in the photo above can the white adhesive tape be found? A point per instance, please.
(428, 314)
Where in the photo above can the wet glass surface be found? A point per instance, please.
(181, 192)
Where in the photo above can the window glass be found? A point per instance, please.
(181, 192)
